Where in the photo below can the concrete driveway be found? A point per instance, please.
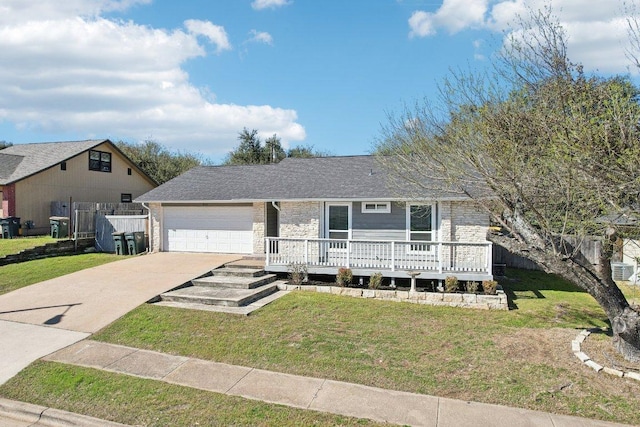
(47, 316)
(89, 300)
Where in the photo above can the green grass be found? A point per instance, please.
(519, 358)
(15, 276)
(138, 401)
(14, 246)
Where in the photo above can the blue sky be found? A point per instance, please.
(192, 74)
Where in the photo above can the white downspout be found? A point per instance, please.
(149, 249)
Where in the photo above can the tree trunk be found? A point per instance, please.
(625, 321)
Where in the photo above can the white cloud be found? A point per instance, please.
(76, 72)
(453, 15)
(265, 4)
(215, 33)
(260, 37)
(596, 33)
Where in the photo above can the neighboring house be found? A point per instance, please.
(34, 175)
(327, 213)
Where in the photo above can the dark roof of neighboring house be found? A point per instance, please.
(20, 161)
(319, 178)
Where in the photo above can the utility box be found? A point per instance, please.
(121, 245)
(59, 226)
(136, 243)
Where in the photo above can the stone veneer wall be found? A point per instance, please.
(463, 222)
(154, 227)
(300, 219)
(477, 301)
(259, 218)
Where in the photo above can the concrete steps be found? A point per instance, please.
(236, 282)
(228, 297)
(230, 286)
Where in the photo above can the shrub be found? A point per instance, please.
(471, 287)
(375, 280)
(297, 273)
(450, 284)
(489, 287)
(344, 277)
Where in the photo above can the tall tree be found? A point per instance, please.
(157, 161)
(250, 151)
(5, 144)
(546, 150)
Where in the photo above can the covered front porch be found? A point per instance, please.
(468, 261)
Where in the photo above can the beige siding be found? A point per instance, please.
(35, 194)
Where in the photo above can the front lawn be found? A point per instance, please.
(518, 358)
(14, 246)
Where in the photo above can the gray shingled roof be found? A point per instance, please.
(23, 160)
(321, 178)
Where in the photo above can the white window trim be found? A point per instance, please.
(326, 215)
(434, 232)
(379, 207)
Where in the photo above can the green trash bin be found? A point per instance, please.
(10, 227)
(59, 226)
(121, 246)
(135, 242)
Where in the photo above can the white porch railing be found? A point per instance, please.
(437, 257)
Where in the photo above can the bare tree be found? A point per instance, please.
(545, 149)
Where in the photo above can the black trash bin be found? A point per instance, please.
(135, 242)
(121, 246)
(10, 227)
(59, 226)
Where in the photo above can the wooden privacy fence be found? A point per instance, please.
(101, 220)
(590, 248)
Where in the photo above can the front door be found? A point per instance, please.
(338, 221)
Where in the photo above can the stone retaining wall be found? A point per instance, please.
(59, 248)
(478, 301)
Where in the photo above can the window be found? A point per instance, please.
(338, 224)
(376, 207)
(63, 166)
(128, 171)
(99, 161)
(125, 198)
(420, 225)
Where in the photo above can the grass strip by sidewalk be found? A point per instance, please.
(15, 276)
(138, 401)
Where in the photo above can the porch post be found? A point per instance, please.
(393, 256)
(348, 253)
(268, 250)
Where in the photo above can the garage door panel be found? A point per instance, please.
(222, 229)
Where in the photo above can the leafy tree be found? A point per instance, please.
(157, 161)
(545, 149)
(5, 144)
(251, 151)
(306, 151)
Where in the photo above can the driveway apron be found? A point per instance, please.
(89, 300)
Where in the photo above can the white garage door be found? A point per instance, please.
(222, 229)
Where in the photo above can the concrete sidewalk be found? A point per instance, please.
(308, 393)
